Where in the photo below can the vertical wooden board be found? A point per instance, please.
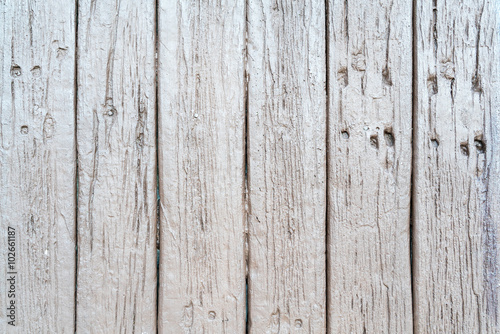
(369, 152)
(116, 289)
(456, 197)
(37, 166)
(201, 155)
(287, 166)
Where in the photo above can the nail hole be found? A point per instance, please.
(480, 146)
(61, 52)
(389, 137)
(111, 110)
(298, 323)
(211, 315)
(345, 134)
(24, 129)
(434, 142)
(36, 71)
(15, 71)
(374, 141)
(464, 148)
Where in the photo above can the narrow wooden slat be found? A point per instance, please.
(116, 289)
(37, 165)
(287, 166)
(457, 169)
(201, 156)
(369, 152)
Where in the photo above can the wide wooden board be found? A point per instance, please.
(456, 167)
(37, 166)
(286, 166)
(369, 166)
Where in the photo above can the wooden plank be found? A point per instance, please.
(201, 166)
(37, 166)
(287, 166)
(456, 167)
(369, 154)
(117, 167)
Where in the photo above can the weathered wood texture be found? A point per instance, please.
(117, 167)
(37, 163)
(456, 197)
(369, 152)
(285, 153)
(287, 166)
(201, 156)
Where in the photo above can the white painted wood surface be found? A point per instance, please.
(369, 152)
(37, 164)
(117, 167)
(286, 166)
(201, 166)
(456, 168)
(284, 160)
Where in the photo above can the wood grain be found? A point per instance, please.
(201, 166)
(117, 167)
(369, 155)
(37, 164)
(456, 167)
(287, 166)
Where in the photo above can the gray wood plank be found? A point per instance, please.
(456, 172)
(287, 166)
(201, 166)
(37, 166)
(369, 154)
(117, 167)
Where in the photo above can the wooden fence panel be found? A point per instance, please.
(37, 166)
(369, 152)
(201, 155)
(287, 166)
(117, 167)
(456, 197)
